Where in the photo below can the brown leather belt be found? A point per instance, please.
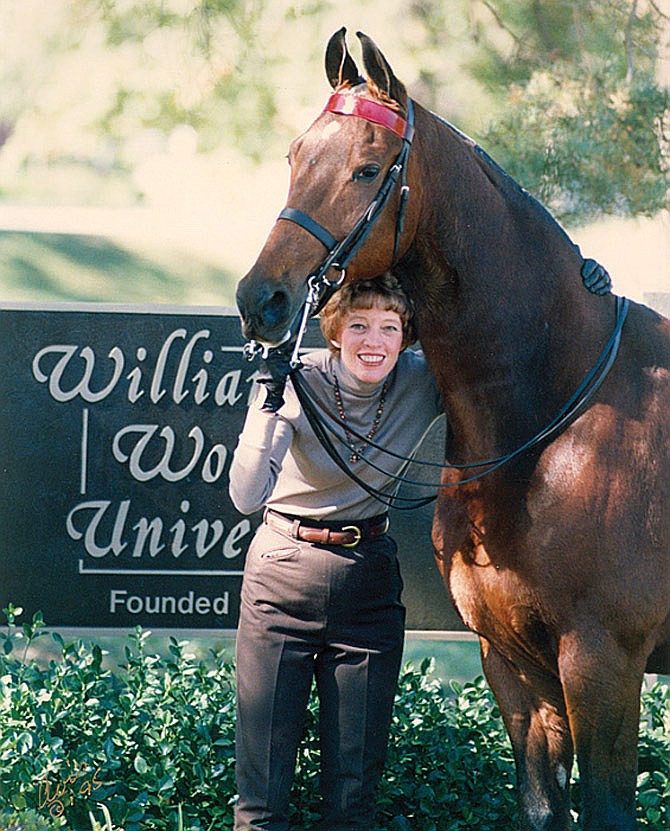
(347, 535)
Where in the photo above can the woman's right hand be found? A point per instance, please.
(274, 370)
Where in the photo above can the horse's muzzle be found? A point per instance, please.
(267, 310)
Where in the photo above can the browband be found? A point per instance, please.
(350, 104)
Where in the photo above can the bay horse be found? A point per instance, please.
(558, 558)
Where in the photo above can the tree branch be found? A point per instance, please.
(498, 19)
(659, 11)
(629, 42)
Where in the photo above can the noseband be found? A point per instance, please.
(341, 252)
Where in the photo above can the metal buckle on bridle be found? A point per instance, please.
(252, 348)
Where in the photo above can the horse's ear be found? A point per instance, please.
(380, 72)
(340, 66)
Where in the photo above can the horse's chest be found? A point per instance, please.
(477, 583)
(481, 589)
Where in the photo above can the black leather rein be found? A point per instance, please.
(315, 412)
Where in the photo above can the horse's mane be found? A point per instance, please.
(502, 181)
(498, 177)
(379, 93)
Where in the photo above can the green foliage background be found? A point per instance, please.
(152, 745)
(566, 94)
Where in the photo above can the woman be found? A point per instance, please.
(321, 590)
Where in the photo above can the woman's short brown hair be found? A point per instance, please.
(384, 292)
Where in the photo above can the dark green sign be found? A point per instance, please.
(116, 435)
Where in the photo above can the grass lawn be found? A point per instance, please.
(50, 267)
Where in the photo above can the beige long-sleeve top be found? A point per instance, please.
(280, 463)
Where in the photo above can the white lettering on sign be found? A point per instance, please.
(55, 363)
(105, 530)
(213, 462)
(171, 387)
(82, 387)
(186, 604)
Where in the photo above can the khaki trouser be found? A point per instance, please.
(329, 613)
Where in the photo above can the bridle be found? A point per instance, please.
(341, 252)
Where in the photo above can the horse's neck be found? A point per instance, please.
(495, 309)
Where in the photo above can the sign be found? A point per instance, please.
(116, 436)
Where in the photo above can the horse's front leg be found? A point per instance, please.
(601, 685)
(534, 714)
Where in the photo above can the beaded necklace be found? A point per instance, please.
(357, 452)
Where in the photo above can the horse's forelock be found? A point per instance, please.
(379, 93)
(371, 89)
(347, 86)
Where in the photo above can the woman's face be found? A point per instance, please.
(369, 342)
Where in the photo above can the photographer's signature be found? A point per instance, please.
(81, 781)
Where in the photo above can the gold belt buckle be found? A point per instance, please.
(356, 531)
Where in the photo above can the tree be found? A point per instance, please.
(563, 93)
(584, 121)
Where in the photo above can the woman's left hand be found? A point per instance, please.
(595, 277)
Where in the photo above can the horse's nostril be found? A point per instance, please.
(275, 310)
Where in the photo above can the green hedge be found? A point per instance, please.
(150, 747)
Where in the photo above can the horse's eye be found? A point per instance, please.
(366, 173)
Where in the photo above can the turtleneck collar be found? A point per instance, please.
(350, 383)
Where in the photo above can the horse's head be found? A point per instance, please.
(346, 183)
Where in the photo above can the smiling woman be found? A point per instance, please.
(321, 590)
(370, 341)
(369, 329)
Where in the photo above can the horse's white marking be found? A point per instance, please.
(330, 129)
(566, 462)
